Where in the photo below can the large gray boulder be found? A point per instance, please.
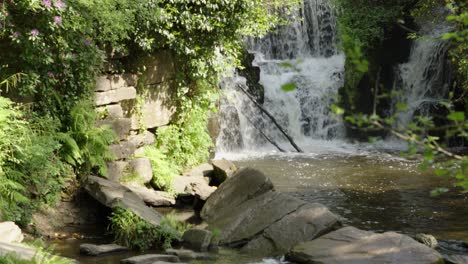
(222, 169)
(142, 170)
(10, 233)
(197, 239)
(113, 194)
(249, 213)
(350, 245)
(244, 185)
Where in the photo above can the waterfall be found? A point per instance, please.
(420, 82)
(302, 55)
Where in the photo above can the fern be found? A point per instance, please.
(91, 141)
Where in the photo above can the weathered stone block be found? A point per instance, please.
(103, 84)
(160, 68)
(157, 110)
(115, 96)
(144, 139)
(152, 197)
(123, 150)
(121, 126)
(116, 169)
(117, 82)
(141, 167)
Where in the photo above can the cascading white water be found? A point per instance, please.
(304, 55)
(420, 81)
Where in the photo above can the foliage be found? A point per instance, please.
(163, 170)
(49, 42)
(130, 230)
(88, 148)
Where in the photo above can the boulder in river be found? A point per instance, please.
(249, 213)
(350, 245)
(197, 239)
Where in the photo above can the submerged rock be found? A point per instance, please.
(351, 245)
(187, 255)
(10, 233)
(150, 259)
(96, 250)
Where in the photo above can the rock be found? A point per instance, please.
(143, 139)
(214, 126)
(193, 186)
(231, 138)
(115, 96)
(102, 84)
(130, 79)
(116, 170)
(244, 185)
(121, 126)
(201, 171)
(197, 239)
(152, 197)
(96, 250)
(141, 168)
(10, 233)
(117, 82)
(24, 252)
(187, 255)
(113, 194)
(157, 110)
(427, 240)
(112, 111)
(456, 259)
(306, 223)
(222, 169)
(150, 259)
(352, 245)
(123, 150)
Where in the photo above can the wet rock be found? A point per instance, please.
(192, 186)
(427, 240)
(152, 197)
(244, 185)
(197, 239)
(222, 169)
(456, 259)
(141, 168)
(352, 245)
(306, 223)
(150, 259)
(187, 255)
(10, 233)
(96, 250)
(113, 194)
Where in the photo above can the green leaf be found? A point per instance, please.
(401, 106)
(288, 87)
(456, 116)
(337, 110)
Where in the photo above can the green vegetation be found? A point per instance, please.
(44, 255)
(130, 230)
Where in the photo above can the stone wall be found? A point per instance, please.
(136, 106)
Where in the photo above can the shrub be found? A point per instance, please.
(130, 230)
